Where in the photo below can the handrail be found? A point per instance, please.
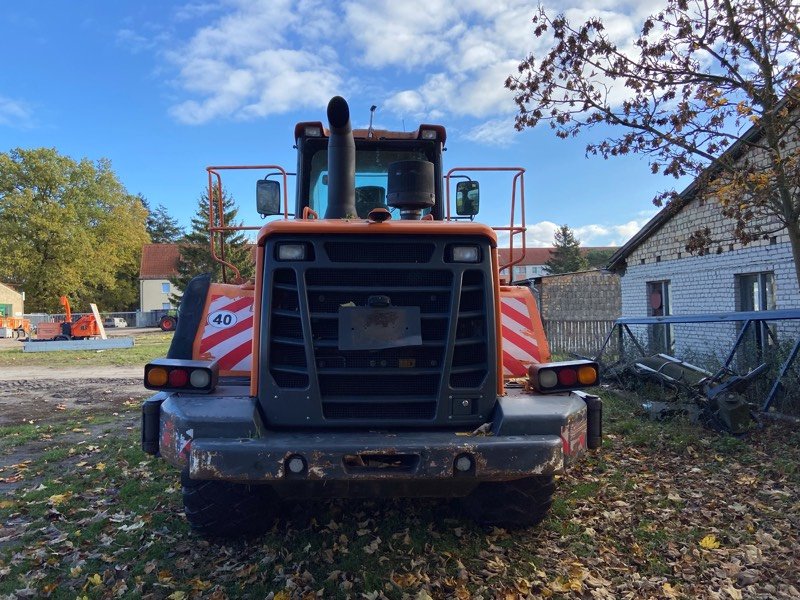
(213, 172)
(518, 180)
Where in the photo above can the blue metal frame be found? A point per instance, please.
(746, 317)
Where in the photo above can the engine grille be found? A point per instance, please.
(393, 384)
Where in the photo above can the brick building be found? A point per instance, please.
(659, 277)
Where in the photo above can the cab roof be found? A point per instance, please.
(377, 134)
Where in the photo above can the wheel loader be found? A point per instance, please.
(376, 353)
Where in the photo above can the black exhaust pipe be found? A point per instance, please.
(341, 162)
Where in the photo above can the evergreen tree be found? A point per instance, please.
(598, 259)
(196, 253)
(567, 256)
(162, 227)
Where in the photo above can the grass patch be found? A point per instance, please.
(98, 518)
(146, 348)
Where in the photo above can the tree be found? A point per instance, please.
(708, 89)
(196, 252)
(68, 228)
(598, 258)
(162, 227)
(567, 256)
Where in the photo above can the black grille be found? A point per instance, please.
(470, 360)
(378, 385)
(352, 252)
(288, 364)
(397, 384)
(384, 410)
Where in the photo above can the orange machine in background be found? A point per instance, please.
(85, 327)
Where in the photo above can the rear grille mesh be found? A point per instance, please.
(397, 384)
(288, 365)
(399, 252)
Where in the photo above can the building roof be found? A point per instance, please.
(737, 149)
(159, 261)
(539, 256)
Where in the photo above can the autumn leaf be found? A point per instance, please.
(57, 499)
(709, 543)
(95, 579)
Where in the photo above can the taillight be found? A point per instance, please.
(178, 375)
(560, 376)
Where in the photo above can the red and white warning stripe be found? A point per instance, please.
(520, 347)
(228, 333)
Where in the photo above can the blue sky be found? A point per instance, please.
(164, 89)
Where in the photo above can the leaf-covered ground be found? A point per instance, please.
(662, 511)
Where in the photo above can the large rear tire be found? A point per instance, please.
(167, 323)
(223, 509)
(511, 504)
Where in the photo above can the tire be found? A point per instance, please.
(61, 338)
(511, 504)
(223, 509)
(167, 323)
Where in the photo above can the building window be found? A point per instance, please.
(165, 288)
(166, 305)
(659, 304)
(756, 292)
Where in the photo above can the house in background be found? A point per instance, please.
(159, 263)
(11, 302)
(534, 262)
(659, 277)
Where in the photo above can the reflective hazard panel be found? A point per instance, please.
(227, 331)
(524, 341)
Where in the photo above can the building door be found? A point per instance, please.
(659, 305)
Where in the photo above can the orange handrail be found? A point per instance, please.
(213, 172)
(518, 180)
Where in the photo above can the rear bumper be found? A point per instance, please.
(374, 456)
(222, 437)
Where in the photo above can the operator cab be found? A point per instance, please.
(411, 155)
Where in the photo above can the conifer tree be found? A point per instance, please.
(195, 250)
(162, 227)
(566, 256)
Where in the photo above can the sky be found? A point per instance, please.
(165, 89)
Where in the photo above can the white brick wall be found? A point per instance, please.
(703, 284)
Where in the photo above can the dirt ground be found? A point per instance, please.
(31, 394)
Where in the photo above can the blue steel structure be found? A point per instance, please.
(621, 327)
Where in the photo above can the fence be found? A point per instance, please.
(138, 318)
(577, 337)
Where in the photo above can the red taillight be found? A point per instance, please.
(567, 377)
(178, 375)
(562, 376)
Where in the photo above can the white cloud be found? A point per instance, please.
(251, 58)
(15, 113)
(495, 132)
(540, 235)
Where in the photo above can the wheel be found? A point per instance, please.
(61, 338)
(223, 509)
(167, 323)
(511, 504)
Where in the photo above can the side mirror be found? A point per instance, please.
(468, 200)
(268, 197)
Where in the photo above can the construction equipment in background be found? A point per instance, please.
(14, 327)
(169, 321)
(85, 327)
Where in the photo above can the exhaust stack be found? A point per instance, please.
(341, 162)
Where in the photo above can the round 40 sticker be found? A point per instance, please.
(222, 319)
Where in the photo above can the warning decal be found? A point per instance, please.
(228, 334)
